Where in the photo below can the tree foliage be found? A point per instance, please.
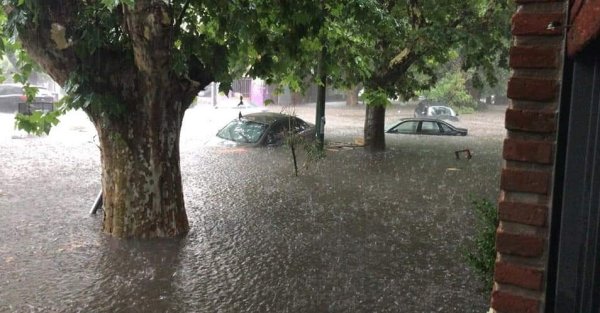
(388, 46)
(135, 66)
(450, 90)
(206, 40)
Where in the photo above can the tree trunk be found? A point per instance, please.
(141, 176)
(375, 128)
(352, 96)
(296, 98)
(136, 102)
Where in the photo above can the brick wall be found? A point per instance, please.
(527, 172)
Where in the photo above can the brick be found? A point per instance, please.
(533, 57)
(585, 27)
(506, 302)
(536, 24)
(525, 181)
(523, 213)
(532, 89)
(521, 276)
(528, 151)
(530, 121)
(519, 244)
(576, 6)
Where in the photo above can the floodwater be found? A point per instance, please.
(355, 232)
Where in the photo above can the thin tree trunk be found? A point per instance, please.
(296, 98)
(141, 176)
(375, 128)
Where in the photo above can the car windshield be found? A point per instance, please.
(8, 90)
(242, 131)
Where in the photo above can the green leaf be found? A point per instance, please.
(37, 123)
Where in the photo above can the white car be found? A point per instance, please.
(437, 111)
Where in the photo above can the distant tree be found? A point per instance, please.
(135, 66)
(415, 36)
(393, 48)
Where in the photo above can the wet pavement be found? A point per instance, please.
(355, 232)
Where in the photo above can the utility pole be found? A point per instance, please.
(213, 93)
(321, 90)
(321, 93)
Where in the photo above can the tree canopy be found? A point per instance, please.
(135, 66)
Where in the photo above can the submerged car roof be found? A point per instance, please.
(441, 106)
(424, 118)
(266, 117)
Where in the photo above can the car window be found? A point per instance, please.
(430, 127)
(445, 128)
(277, 133)
(299, 125)
(242, 131)
(408, 127)
(11, 90)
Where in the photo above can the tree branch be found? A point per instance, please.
(46, 41)
(180, 17)
(416, 15)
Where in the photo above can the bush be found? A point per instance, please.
(481, 255)
(465, 110)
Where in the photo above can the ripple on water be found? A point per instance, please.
(353, 233)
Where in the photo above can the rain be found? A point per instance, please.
(353, 232)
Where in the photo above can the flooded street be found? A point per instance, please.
(355, 232)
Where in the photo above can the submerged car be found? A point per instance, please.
(426, 126)
(435, 110)
(264, 129)
(13, 99)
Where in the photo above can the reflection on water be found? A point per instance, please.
(354, 233)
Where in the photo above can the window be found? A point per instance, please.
(445, 128)
(277, 133)
(299, 125)
(10, 90)
(409, 127)
(242, 131)
(429, 127)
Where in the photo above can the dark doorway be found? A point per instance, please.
(574, 269)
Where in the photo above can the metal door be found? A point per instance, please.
(574, 269)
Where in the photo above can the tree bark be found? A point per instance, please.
(352, 96)
(375, 128)
(141, 176)
(139, 129)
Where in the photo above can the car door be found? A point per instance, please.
(301, 128)
(446, 130)
(429, 128)
(407, 127)
(277, 133)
